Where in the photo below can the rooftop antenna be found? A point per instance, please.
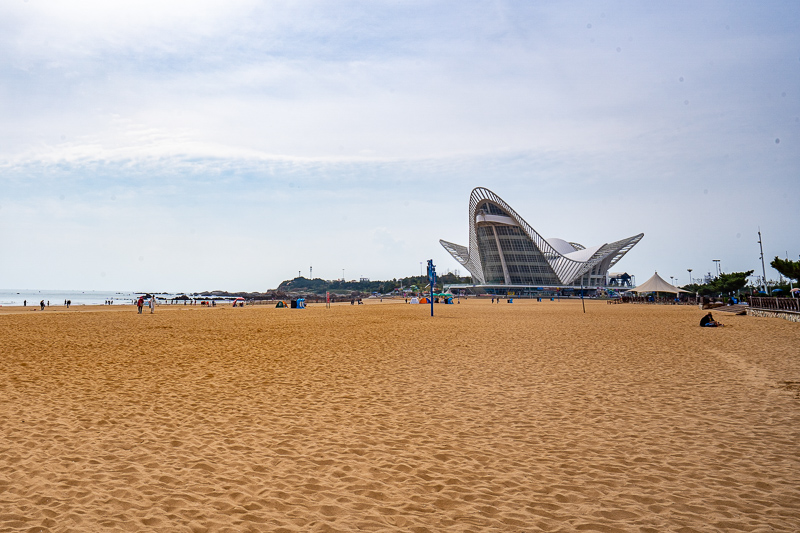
(763, 269)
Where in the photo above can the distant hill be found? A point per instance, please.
(304, 286)
(320, 286)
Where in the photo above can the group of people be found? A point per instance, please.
(152, 304)
(41, 304)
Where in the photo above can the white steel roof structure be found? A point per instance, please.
(506, 250)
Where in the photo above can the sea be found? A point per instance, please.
(15, 297)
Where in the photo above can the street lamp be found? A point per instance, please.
(671, 280)
(690, 275)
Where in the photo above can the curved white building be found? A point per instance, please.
(505, 251)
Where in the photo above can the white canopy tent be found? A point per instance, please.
(657, 284)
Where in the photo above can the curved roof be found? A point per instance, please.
(568, 260)
(562, 246)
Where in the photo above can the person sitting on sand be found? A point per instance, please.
(709, 322)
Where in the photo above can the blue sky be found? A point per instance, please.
(177, 145)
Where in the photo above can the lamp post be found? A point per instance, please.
(763, 269)
(671, 280)
(690, 275)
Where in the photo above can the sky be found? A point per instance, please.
(178, 145)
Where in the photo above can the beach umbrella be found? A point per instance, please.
(796, 289)
(777, 290)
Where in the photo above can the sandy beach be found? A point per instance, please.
(531, 416)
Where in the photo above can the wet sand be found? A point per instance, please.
(507, 417)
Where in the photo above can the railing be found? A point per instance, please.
(775, 304)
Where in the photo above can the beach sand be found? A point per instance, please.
(531, 416)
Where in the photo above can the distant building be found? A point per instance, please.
(619, 279)
(505, 252)
(364, 280)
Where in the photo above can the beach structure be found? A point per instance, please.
(657, 284)
(506, 255)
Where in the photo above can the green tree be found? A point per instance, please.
(729, 283)
(693, 287)
(790, 269)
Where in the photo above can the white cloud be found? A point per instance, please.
(218, 118)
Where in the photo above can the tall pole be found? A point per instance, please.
(431, 279)
(582, 302)
(763, 269)
(690, 275)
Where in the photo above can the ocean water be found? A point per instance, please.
(14, 297)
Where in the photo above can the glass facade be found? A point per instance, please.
(491, 209)
(490, 257)
(524, 263)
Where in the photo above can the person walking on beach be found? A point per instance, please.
(24, 303)
(41, 305)
(152, 304)
(140, 304)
